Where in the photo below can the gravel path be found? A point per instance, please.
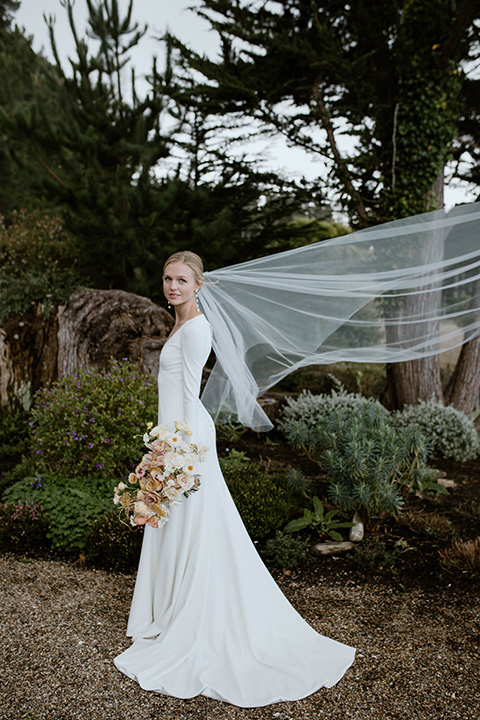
(61, 626)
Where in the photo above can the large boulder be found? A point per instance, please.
(94, 326)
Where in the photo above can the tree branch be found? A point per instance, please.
(466, 14)
(49, 170)
(342, 169)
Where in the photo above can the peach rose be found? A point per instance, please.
(151, 497)
(153, 484)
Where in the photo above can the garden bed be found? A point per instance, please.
(404, 549)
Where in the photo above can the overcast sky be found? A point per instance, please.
(185, 24)
(159, 15)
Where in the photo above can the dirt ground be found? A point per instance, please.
(62, 625)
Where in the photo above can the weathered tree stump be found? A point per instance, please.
(95, 325)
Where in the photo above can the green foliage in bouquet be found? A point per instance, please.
(23, 527)
(260, 498)
(324, 523)
(286, 551)
(88, 424)
(450, 431)
(69, 504)
(111, 544)
(369, 462)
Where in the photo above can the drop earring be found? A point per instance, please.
(196, 299)
(168, 305)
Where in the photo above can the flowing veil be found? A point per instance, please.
(391, 293)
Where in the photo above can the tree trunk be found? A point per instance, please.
(96, 325)
(464, 386)
(409, 382)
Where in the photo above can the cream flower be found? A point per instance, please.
(177, 443)
(185, 482)
(179, 462)
(180, 426)
(170, 460)
(160, 432)
(142, 509)
(172, 493)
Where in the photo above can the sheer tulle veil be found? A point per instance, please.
(394, 292)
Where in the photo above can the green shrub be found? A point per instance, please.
(367, 379)
(110, 544)
(13, 434)
(23, 527)
(450, 431)
(13, 428)
(286, 551)
(369, 462)
(19, 471)
(260, 498)
(374, 553)
(70, 505)
(312, 410)
(90, 423)
(37, 263)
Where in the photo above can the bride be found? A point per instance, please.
(206, 616)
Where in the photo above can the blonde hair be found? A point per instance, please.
(191, 259)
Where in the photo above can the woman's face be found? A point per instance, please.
(179, 284)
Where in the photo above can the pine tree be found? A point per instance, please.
(23, 74)
(104, 155)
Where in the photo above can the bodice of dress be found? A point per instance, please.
(181, 363)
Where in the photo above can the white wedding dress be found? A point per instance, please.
(207, 617)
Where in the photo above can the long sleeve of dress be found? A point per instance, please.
(196, 344)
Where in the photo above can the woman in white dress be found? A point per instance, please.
(207, 617)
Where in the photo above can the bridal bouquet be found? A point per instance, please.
(165, 475)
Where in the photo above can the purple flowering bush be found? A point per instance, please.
(86, 424)
(23, 527)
